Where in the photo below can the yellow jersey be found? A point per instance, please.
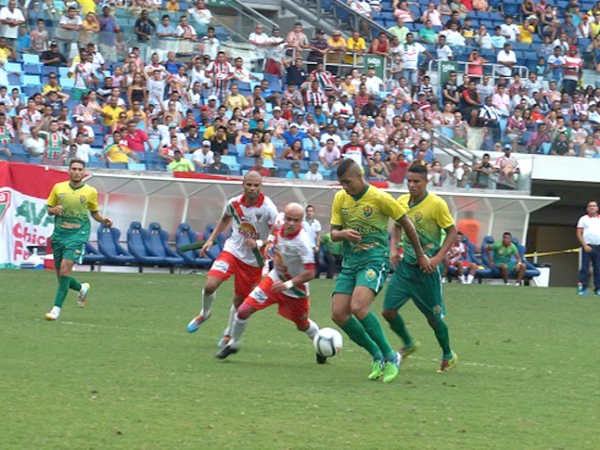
(430, 216)
(369, 214)
(76, 202)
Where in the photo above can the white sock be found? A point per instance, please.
(463, 279)
(55, 311)
(238, 327)
(313, 329)
(232, 314)
(207, 301)
(470, 278)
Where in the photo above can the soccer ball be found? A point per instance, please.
(328, 342)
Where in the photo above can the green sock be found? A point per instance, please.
(357, 333)
(441, 334)
(61, 292)
(74, 284)
(397, 325)
(374, 330)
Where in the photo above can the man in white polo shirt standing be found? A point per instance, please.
(588, 235)
(313, 228)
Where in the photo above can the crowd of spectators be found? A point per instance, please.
(171, 91)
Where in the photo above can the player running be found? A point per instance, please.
(252, 214)
(359, 218)
(286, 284)
(69, 203)
(430, 215)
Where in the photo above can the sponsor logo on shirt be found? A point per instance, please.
(220, 266)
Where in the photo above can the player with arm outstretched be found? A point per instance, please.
(431, 215)
(286, 284)
(359, 219)
(251, 216)
(69, 203)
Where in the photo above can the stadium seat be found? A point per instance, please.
(137, 247)
(109, 246)
(156, 240)
(92, 256)
(530, 271)
(184, 236)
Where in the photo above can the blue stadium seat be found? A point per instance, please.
(109, 246)
(184, 236)
(32, 69)
(156, 240)
(137, 247)
(92, 256)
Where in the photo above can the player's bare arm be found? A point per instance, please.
(221, 226)
(395, 237)
(307, 275)
(413, 237)
(55, 210)
(338, 234)
(103, 220)
(445, 248)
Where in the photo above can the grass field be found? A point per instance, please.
(123, 374)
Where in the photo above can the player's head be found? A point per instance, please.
(416, 179)
(252, 185)
(592, 207)
(293, 215)
(76, 170)
(310, 212)
(350, 177)
(460, 237)
(506, 238)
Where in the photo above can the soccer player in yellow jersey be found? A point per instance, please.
(359, 219)
(69, 203)
(431, 215)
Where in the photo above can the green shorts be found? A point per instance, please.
(69, 247)
(425, 289)
(78, 93)
(372, 275)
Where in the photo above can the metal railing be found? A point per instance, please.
(492, 69)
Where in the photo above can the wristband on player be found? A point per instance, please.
(289, 284)
(259, 243)
(271, 239)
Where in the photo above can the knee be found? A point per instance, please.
(244, 311)
(339, 316)
(389, 314)
(359, 309)
(432, 321)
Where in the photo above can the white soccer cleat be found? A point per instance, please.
(83, 292)
(53, 314)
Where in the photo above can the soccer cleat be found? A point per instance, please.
(597, 292)
(444, 280)
(226, 351)
(392, 369)
(409, 349)
(376, 370)
(582, 290)
(196, 322)
(447, 364)
(83, 292)
(321, 359)
(224, 341)
(52, 315)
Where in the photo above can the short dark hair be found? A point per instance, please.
(344, 166)
(417, 167)
(506, 233)
(76, 161)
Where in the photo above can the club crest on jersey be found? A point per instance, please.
(370, 274)
(82, 199)
(344, 211)
(367, 211)
(258, 217)
(5, 201)
(418, 217)
(62, 196)
(247, 229)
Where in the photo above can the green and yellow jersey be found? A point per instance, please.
(76, 202)
(369, 214)
(430, 216)
(503, 254)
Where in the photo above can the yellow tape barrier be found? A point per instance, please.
(572, 250)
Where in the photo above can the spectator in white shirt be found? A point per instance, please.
(10, 19)
(313, 174)
(261, 42)
(509, 30)
(203, 157)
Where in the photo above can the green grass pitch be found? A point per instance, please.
(123, 373)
